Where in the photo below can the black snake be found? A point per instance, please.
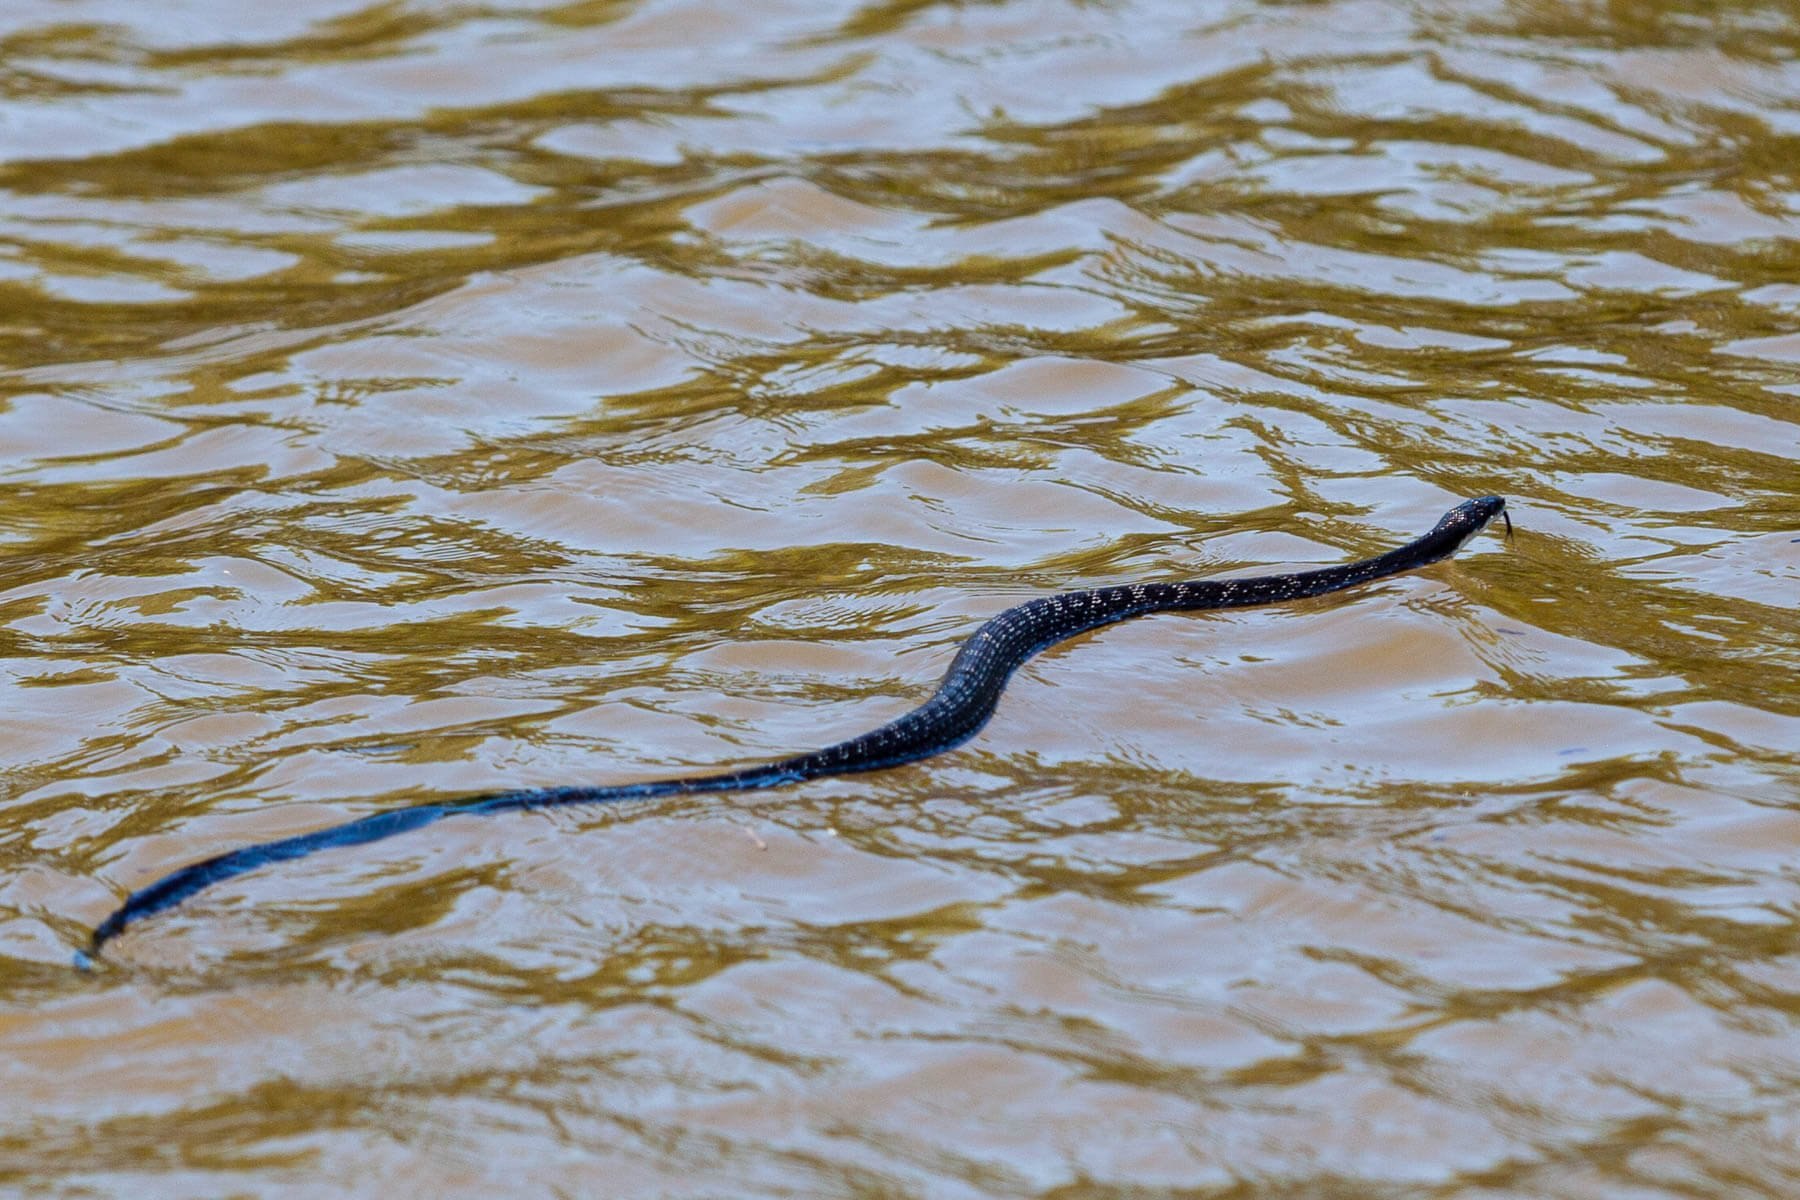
(956, 711)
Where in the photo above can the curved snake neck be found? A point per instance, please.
(955, 712)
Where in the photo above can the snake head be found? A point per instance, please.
(1470, 518)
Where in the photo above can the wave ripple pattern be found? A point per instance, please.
(402, 401)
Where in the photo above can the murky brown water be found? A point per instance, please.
(409, 400)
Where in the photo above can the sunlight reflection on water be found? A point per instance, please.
(408, 401)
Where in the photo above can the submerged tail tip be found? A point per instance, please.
(87, 958)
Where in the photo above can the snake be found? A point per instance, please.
(955, 712)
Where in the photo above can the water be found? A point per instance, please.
(406, 401)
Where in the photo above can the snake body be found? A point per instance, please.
(958, 709)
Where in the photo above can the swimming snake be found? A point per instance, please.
(958, 709)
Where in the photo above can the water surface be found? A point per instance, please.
(404, 401)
